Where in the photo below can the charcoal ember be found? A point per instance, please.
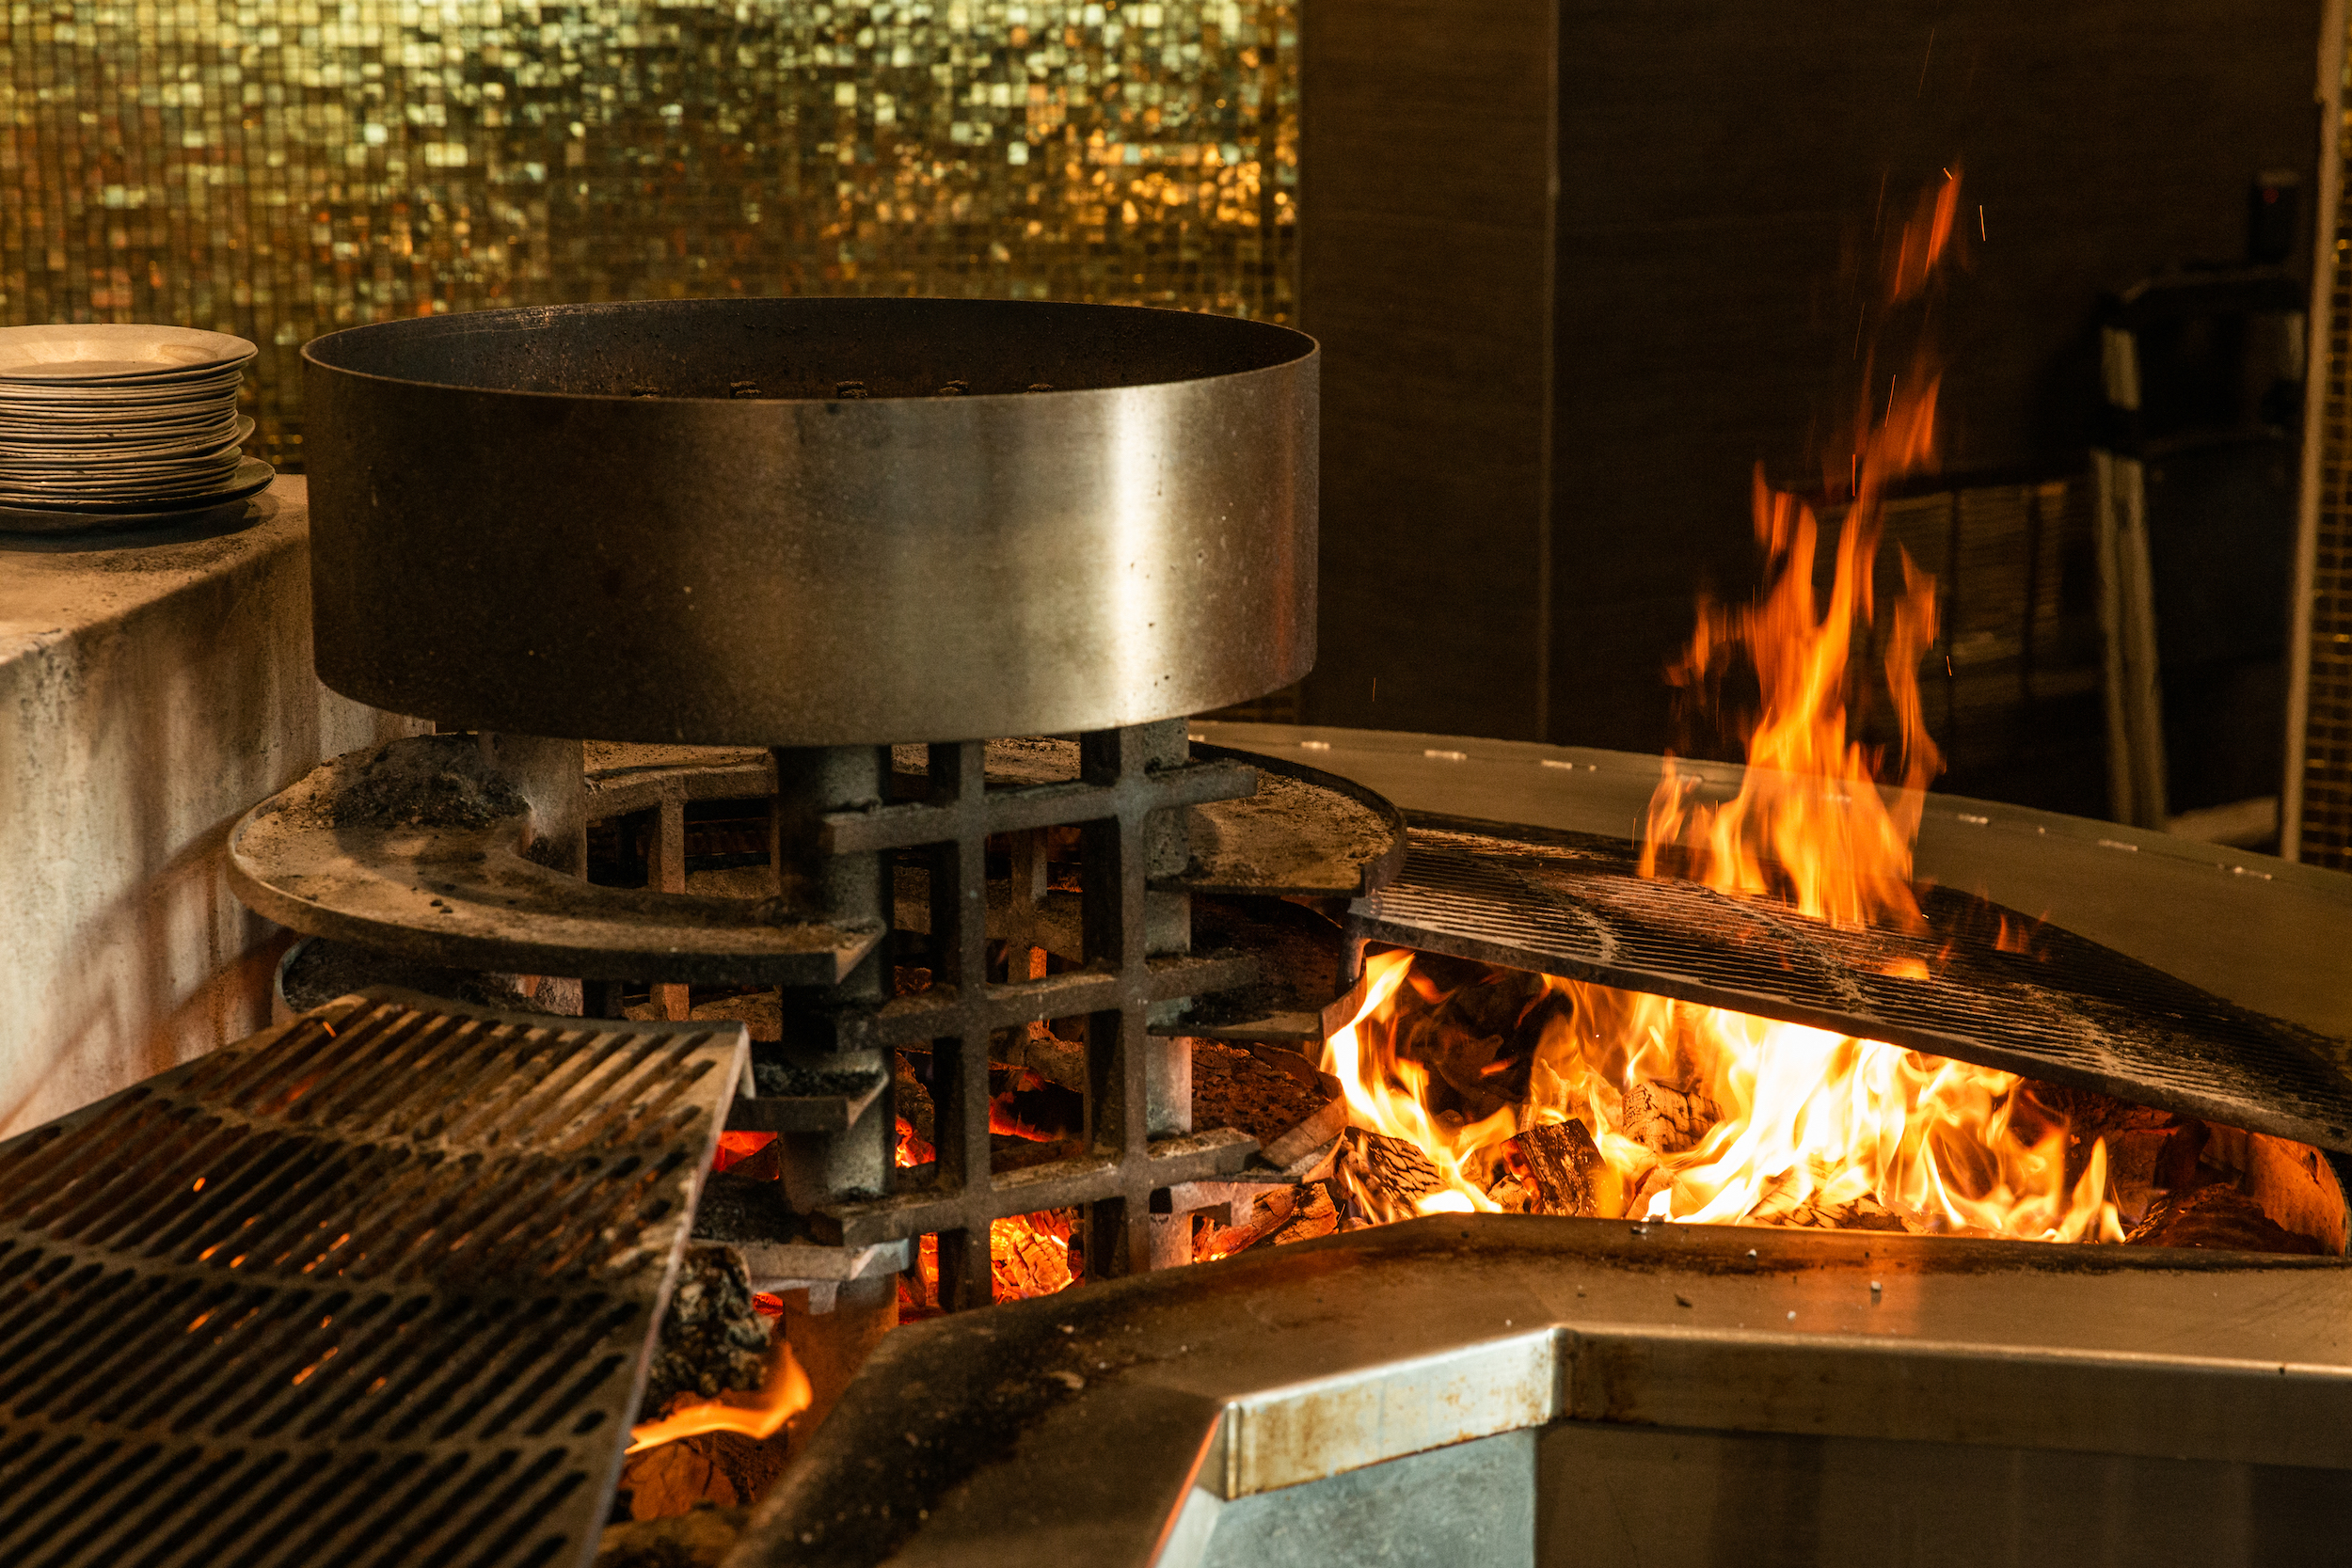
(1654, 1181)
(712, 1338)
(1864, 1213)
(2216, 1216)
(1786, 1201)
(1234, 1089)
(914, 1101)
(1029, 1254)
(1565, 1173)
(1665, 1119)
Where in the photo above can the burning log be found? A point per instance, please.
(1665, 1119)
(2218, 1216)
(1561, 1169)
(1401, 1172)
(718, 1390)
(1233, 1087)
(1267, 1214)
(1315, 1216)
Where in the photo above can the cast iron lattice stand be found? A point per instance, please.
(837, 841)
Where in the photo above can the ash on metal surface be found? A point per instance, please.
(430, 781)
(788, 1080)
(323, 970)
(712, 1338)
(743, 1208)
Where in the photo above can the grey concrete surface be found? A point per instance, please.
(153, 687)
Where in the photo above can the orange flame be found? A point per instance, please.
(1708, 1115)
(784, 1394)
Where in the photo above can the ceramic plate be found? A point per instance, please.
(96, 426)
(101, 354)
(33, 519)
(133, 486)
(48, 397)
(251, 476)
(123, 447)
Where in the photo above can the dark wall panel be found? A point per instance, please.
(1721, 171)
(1425, 155)
(1540, 416)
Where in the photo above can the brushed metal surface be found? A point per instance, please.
(1081, 1426)
(759, 522)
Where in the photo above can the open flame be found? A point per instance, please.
(784, 1393)
(1701, 1114)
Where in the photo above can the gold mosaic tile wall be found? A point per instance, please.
(281, 168)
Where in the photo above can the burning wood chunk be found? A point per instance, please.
(1266, 1213)
(1232, 1088)
(712, 1338)
(1400, 1170)
(1665, 1119)
(2221, 1217)
(1316, 1215)
(1562, 1171)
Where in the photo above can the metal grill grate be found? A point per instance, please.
(2064, 1009)
(375, 1287)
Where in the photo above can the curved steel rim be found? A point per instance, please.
(1299, 345)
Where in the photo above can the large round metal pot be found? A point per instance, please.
(812, 521)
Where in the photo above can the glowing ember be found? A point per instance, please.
(1028, 1254)
(1697, 1114)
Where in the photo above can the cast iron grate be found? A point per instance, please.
(2062, 1009)
(1124, 802)
(374, 1287)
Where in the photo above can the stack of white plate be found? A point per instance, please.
(109, 425)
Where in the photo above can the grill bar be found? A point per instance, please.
(2037, 1001)
(374, 1287)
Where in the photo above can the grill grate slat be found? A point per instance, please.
(405, 1316)
(2065, 1009)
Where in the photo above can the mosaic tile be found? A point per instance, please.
(278, 170)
